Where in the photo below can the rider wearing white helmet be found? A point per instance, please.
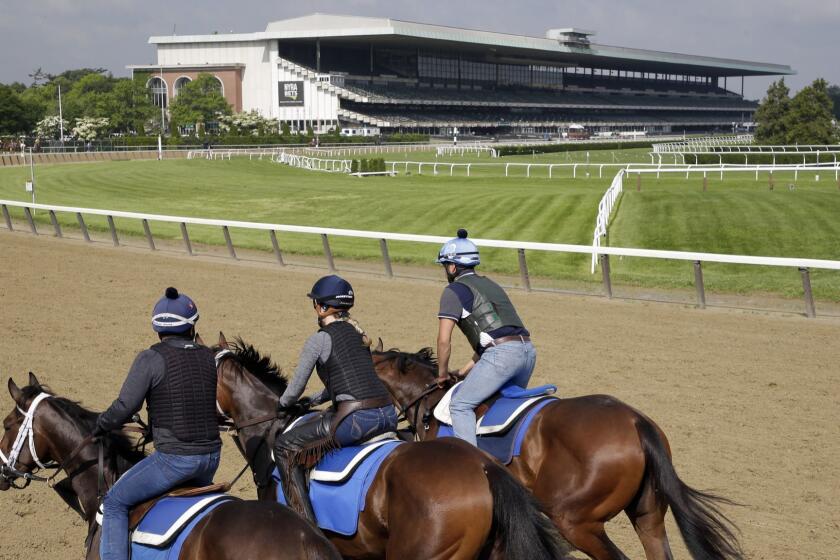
(484, 313)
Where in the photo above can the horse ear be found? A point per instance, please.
(14, 390)
(199, 340)
(34, 380)
(379, 346)
(223, 343)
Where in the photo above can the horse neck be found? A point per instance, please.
(63, 436)
(414, 381)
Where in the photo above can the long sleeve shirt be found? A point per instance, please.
(316, 350)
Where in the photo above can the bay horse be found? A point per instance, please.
(586, 459)
(441, 500)
(60, 432)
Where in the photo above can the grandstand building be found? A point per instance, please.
(324, 71)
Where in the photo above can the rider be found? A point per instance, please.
(361, 407)
(177, 379)
(484, 313)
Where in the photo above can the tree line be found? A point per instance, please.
(809, 117)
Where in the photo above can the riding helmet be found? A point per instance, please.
(174, 313)
(333, 291)
(460, 251)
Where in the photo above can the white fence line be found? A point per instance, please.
(314, 164)
(383, 237)
(605, 208)
(462, 150)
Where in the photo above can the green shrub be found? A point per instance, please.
(354, 166)
(569, 147)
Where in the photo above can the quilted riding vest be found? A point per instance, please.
(349, 369)
(184, 403)
(491, 309)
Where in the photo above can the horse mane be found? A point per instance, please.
(424, 357)
(259, 365)
(120, 450)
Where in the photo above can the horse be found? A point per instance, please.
(60, 432)
(586, 459)
(434, 500)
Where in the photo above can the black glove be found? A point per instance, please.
(99, 432)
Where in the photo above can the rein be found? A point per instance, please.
(404, 410)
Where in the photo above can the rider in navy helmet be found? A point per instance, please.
(502, 349)
(360, 407)
(177, 379)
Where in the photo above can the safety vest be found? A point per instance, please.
(349, 369)
(492, 309)
(184, 403)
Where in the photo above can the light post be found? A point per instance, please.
(60, 119)
(30, 186)
(162, 114)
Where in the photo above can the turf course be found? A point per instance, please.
(739, 215)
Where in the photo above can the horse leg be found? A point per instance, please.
(591, 539)
(648, 518)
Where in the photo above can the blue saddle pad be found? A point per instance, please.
(340, 482)
(163, 530)
(516, 415)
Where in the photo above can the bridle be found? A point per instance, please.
(26, 434)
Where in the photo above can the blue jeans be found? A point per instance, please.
(151, 477)
(365, 424)
(509, 362)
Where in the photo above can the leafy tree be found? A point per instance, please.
(771, 115)
(15, 116)
(834, 94)
(49, 127)
(90, 128)
(199, 102)
(285, 129)
(809, 119)
(129, 107)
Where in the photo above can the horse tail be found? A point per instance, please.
(707, 532)
(521, 527)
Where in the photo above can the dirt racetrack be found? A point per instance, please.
(750, 401)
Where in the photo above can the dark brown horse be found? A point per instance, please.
(60, 430)
(586, 460)
(434, 500)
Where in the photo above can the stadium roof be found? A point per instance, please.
(503, 47)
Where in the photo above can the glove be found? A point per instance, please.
(99, 432)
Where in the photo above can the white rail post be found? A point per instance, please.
(698, 284)
(386, 257)
(276, 247)
(328, 252)
(148, 231)
(8, 218)
(810, 311)
(229, 242)
(186, 236)
(56, 227)
(28, 213)
(82, 226)
(114, 238)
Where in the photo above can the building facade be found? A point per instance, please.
(326, 71)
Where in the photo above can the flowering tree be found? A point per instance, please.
(49, 127)
(90, 128)
(250, 122)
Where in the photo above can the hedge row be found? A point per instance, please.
(756, 159)
(376, 165)
(569, 147)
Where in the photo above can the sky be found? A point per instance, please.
(57, 35)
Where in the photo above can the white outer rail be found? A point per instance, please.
(384, 237)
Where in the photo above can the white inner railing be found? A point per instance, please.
(521, 247)
(605, 208)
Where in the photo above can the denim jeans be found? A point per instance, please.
(151, 477)
(509, 362)
(365, 424)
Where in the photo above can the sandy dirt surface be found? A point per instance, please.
(749, 400)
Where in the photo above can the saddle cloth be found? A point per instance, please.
(163, 528)
(339, 484)
(502, 428)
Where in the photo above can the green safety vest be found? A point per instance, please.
(492, 309)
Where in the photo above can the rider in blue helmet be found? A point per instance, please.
(360, 407)
(177, 379)
(502, 349)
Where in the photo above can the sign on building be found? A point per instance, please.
(291, 93)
